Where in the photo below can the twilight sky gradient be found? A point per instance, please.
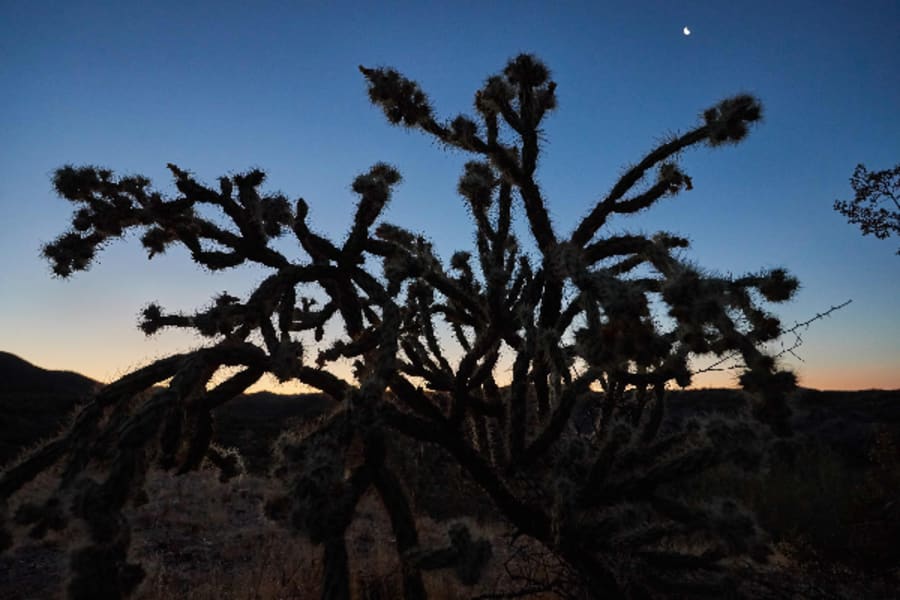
(219, 87)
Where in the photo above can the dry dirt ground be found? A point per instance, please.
(201, 539)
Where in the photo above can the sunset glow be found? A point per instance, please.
(220, 88)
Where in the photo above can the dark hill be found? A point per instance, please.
(845, 421)
(20, 376)
(252, 422)
(33, 401)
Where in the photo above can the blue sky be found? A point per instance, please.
(223, 87)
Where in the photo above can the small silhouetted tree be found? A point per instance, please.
(876, 204)
(584, 473)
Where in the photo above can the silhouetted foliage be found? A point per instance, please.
(582, 472)
(875, 192)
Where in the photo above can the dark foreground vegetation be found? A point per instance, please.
(584, 477)
(829, 498)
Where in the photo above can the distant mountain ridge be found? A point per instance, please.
(33, 401)
(17, 375)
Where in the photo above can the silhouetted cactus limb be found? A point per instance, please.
(590, 489)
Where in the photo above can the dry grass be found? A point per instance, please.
(200, 539)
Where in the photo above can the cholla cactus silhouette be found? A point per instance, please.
(572, 452)
(876, 203)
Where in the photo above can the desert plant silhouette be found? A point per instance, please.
(874, 193)
(571, 452)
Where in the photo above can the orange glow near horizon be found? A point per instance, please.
(822, 377)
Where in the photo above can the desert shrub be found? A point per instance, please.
(831, 510)
(875, 206)
(578, 313)
(875, 516)
(831, 513)
(808, 497)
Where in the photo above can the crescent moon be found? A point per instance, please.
(686, 31)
